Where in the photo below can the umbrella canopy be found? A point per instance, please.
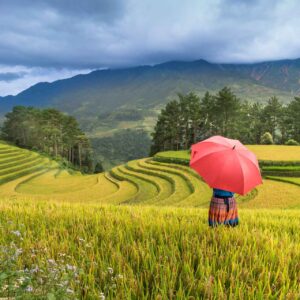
(226, 164)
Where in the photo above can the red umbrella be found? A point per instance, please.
(226, 164)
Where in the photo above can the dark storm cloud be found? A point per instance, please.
(89, 34)
(105, 9)
(105, 33)
(55, 32)
(10, 76)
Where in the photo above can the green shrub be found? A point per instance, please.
(264, 163)
(266, 139)
(99, 167)
(291, 142)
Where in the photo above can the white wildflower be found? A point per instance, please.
(51, 261)
(34, 270)
(70, 267)
(16, 232)
(4, 287)
(70, 291)
(29, 289)
(19, 251)
(21, 280)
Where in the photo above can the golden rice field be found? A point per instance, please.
(51, 250)
(262, 152)
(139, 231)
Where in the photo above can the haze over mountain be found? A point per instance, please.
(102, 91)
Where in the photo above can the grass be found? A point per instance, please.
(164, 184)
(274, 195)
(292, 180)
(276, 152)
(181, 186)
(183, 154)
(139, 182)
(140, 231)
(148, 253)
(281, 168)
(199, 193)
(263, 152)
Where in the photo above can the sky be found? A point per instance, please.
(46, 40)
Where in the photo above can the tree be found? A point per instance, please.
(293, 111)
(266, 139)
(291, 142)
(184, 122)
(159, 136)
(18, 125)
(254, 123)
(227, 108)
(190, 114)
(271, 115)
(178, 125)
(83, 146)
(173, 117)
(208, 116)
(50, 131)
(284, 122)
(98, 168)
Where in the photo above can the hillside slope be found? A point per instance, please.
(102, 91)
(138, 182)
(134, 233)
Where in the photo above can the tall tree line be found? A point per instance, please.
(189, 119)
(49, 131)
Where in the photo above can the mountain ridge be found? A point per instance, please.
(150, 86)
(112, 105)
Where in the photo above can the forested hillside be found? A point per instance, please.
(189, 119)
(50, 132)
(89, 96)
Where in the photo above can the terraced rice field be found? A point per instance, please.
(25, 174)
(263, 152)
(139, 231)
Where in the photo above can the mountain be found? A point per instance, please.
(147, 86)
(107, 101)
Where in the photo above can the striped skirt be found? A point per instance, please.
(223, 211)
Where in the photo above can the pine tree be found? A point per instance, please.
(293, 111)
(226, 109)
(272, 114)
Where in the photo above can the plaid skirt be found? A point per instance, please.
(223, 211)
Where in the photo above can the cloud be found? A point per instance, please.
(104, 33)
(89, 34)
(10, 76)
(18, 78)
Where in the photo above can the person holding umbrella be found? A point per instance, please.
(228, 167)
(223, 209)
